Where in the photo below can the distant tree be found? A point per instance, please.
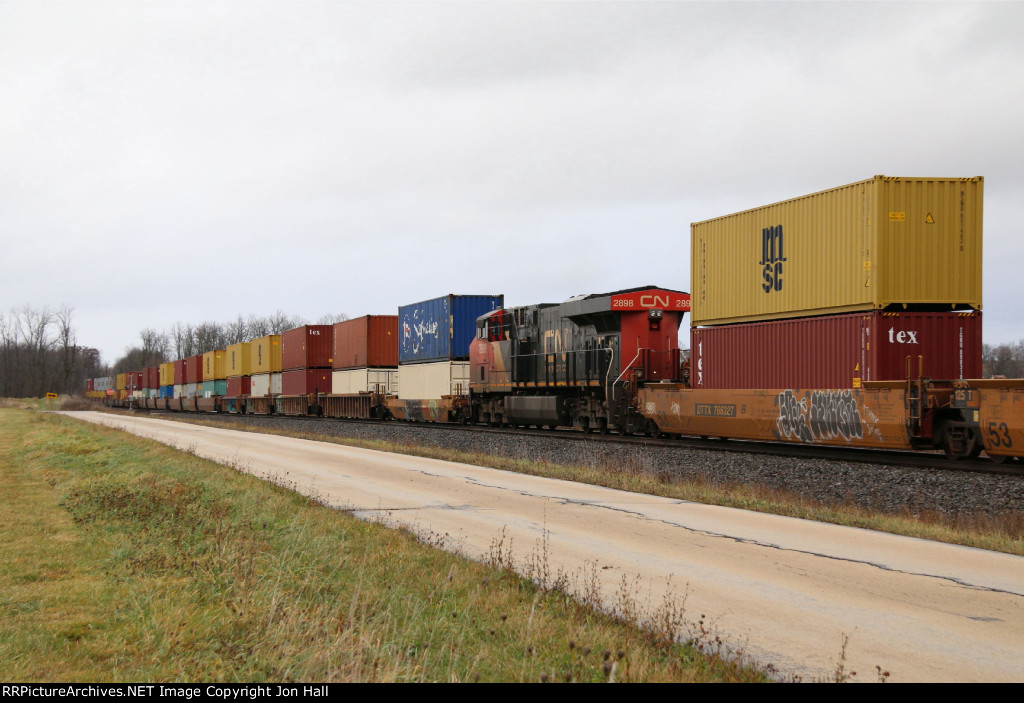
(331, 318)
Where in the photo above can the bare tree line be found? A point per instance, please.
(39, 353)
(185, 339)
(1006, 360)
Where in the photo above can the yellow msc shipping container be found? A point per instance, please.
(121, 382)
(167, 374)
(215, 365)
(236, 360)
(265, 354)
(883, 243)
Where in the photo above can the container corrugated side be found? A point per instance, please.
(238, 385)
(121, 380)
(265, 354)
(236, 360)
(215, 365)
(441, 328)
(431, 381)
(179, 372)
(194, 369)
(308, 346)
(836, 351)
(303, 381)
(151, 377)
(266, 384)
(366, 379)
(869, 245)
(368, 341)
(167, 374)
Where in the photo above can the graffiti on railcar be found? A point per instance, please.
(818, 415)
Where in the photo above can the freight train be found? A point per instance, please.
(858, 357)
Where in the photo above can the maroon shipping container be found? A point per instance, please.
(368, 341)
(303, 381)
(179, 372)
(308, 346)
(134, 379)
(194, 369)
(151, 377)
(88, 384)
(836, 351)
(238, 385)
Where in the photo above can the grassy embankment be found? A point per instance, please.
(125, 560)
(1002, 533)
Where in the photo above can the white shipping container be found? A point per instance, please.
(362, 380)
(266, 384)
(190, 390)
(431, 381)
(179, 390)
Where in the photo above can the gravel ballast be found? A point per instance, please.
(883, 489)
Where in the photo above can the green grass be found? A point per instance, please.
(1002, 533)
(126, 560)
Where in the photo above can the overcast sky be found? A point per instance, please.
(168, 162)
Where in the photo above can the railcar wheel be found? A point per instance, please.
(603, 426)
(1001, 459)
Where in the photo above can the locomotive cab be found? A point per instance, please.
(577, 363)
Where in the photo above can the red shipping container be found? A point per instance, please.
(238, 385)
(88, 384)
(179, 372)
(151, 377)
(134, 380)
(308, 346)
(194, 369)
(368, 341)
(836, 351)
(303, 381)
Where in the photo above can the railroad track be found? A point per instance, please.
(932, 460)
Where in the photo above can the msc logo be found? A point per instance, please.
(772, 258)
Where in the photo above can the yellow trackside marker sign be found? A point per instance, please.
(929, 220)
(51, 395)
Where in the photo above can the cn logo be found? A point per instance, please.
(771, 258)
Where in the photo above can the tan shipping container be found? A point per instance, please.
(215, 365)
(432, 380)
(363, 380)
(883, 243)
(265, 354)
(236, 360)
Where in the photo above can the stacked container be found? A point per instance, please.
(166, 380)
(306, 360)
(236, 369)
(365, 355)
(265, 365)
(433, 344)
(859, 283)
(214, 373)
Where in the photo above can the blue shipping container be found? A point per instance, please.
(443, 328)
(166, 391)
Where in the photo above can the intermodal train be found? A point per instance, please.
(612, 362)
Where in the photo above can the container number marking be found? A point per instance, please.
(999, 433)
